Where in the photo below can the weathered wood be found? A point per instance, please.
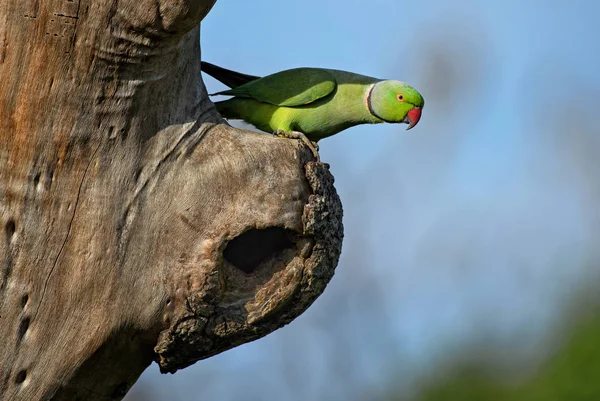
(137, 226)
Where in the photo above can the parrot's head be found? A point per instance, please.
(395, 102)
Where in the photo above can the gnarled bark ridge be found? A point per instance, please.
(136, 225)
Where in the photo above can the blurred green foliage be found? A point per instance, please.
(571, 374)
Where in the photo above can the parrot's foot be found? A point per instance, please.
(314, 148)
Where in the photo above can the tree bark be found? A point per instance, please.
(137, 225)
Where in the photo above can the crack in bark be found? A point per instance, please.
(68, 232)
(76, 17)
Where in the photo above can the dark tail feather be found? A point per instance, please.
(230, 78)
(224, 108)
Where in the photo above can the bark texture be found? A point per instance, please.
(136, 225)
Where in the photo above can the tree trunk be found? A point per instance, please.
(138, 226)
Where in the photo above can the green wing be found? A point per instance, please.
(288, 88)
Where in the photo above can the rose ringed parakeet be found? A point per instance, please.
(314, 103)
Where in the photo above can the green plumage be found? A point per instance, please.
(317, 102)
(304, 85)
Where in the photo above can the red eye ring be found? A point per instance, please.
(400, 97)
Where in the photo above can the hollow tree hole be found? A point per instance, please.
(247, 251)
(24, 300)
(23, 327)
(21, 376)
(10, 228)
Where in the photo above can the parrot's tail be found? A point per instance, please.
(230, 78)
(248, 111)
(224, 108)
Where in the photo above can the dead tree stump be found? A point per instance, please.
(136, 225)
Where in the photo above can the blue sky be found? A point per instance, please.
(475, 226)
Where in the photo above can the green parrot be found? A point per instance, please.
(313, 103)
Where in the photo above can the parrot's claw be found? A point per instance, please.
(314, 148)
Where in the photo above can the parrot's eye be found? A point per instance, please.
(400, 97)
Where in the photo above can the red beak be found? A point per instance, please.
(413, 117)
